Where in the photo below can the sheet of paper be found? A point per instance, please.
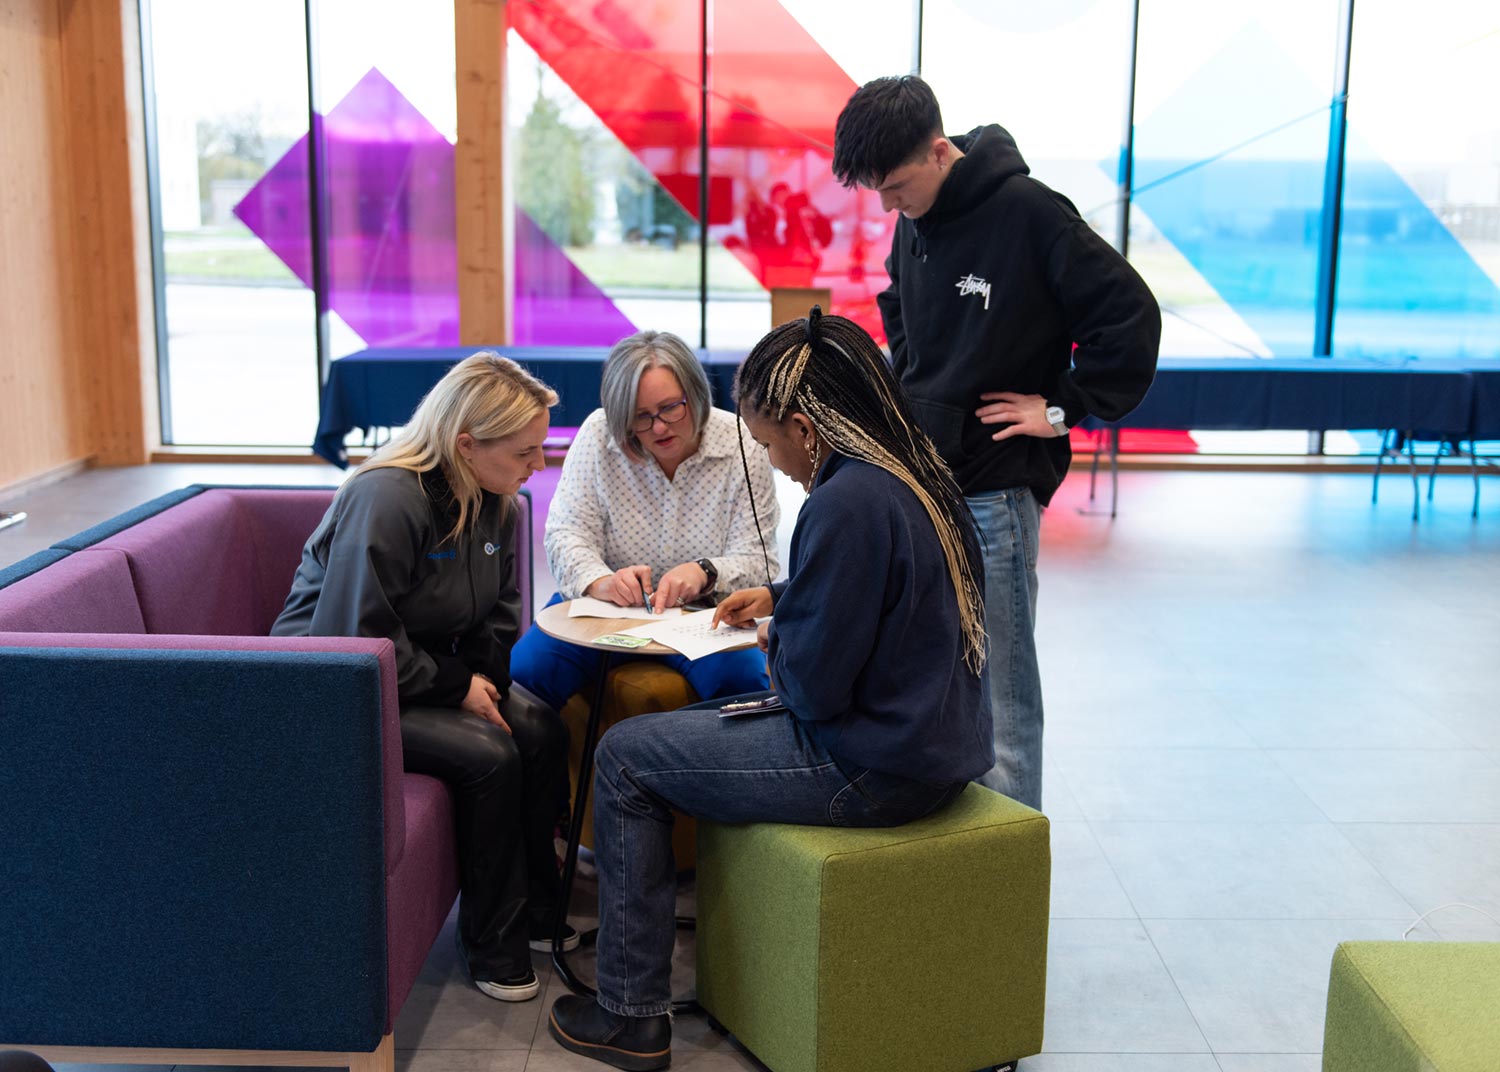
(693, 635)
(588, 607)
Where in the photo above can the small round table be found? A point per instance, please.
(554, 621)
(584, 632)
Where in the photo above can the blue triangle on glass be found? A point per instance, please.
(1230, 169)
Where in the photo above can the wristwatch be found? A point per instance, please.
(1057, 419)
(713, 576)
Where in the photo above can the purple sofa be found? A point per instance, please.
(209, 844)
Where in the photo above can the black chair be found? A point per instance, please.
(22, 1061)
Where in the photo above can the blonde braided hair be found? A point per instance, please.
(829, 369)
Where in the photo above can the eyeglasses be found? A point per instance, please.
(668, 414)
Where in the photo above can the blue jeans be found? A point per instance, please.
(753, 768)
(1010, 522)
(554, 670)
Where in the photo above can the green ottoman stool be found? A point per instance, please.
(921, 948)
(1413, 1007)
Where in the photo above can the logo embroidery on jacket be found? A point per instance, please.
(972, 284)
(489, 548)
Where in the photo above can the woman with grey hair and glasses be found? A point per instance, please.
(652, 508)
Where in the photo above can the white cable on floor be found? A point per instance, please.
(1452, 904)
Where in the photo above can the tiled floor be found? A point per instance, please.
(1272, 726)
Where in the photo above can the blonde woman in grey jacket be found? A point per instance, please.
(418, 546)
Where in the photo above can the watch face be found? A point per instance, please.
(1055, 415)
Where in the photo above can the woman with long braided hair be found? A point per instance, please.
(876, 645)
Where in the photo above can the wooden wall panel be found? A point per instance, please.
(40, 421)
(77, 350)
(111, 231)
(479, 173)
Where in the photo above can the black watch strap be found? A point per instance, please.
(713, 574)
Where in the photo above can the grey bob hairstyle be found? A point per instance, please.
(621, 382)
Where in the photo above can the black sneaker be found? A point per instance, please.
(634, 1043)
(521, 987)
(541, 938)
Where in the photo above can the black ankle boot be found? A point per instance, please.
(634, 1043)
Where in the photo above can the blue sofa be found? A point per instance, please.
(211, 851)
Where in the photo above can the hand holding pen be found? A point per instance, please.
(679, 585)
(626, 587)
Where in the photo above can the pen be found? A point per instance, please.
(649, 608)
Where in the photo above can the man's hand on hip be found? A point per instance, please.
(1022, 414)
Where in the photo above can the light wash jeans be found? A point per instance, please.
(753, 768)
(1010, 524)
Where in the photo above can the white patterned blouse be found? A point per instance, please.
(611, 511)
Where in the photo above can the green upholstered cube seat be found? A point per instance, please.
(920, 947)
(1413, 1007)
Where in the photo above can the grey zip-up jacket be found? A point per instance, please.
(380, 564)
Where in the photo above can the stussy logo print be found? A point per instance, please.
(972, 284)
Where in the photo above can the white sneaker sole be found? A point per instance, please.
(511, 993)
(544, 945)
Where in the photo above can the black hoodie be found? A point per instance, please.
(990, 290)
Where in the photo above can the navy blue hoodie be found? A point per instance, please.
(866, 647)
(990, 289)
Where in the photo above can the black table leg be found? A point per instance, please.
(1114, 471)
(575, 832)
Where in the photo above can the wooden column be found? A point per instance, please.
(106, 138)
(77, 346)
(484, 251)
(40, 431)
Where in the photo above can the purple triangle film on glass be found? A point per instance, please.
(390, 234)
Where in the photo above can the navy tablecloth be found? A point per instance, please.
(379, 388)
(1486, 420)
(1230, 394)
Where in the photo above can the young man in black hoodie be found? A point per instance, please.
(1009, 321)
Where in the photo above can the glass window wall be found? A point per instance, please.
(1231, 145)
(603, 126)
(388, 107)
(1053, 75)
(230, 100)
(606, 148)
(1419, 254)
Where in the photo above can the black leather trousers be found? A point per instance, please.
(505, 789)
